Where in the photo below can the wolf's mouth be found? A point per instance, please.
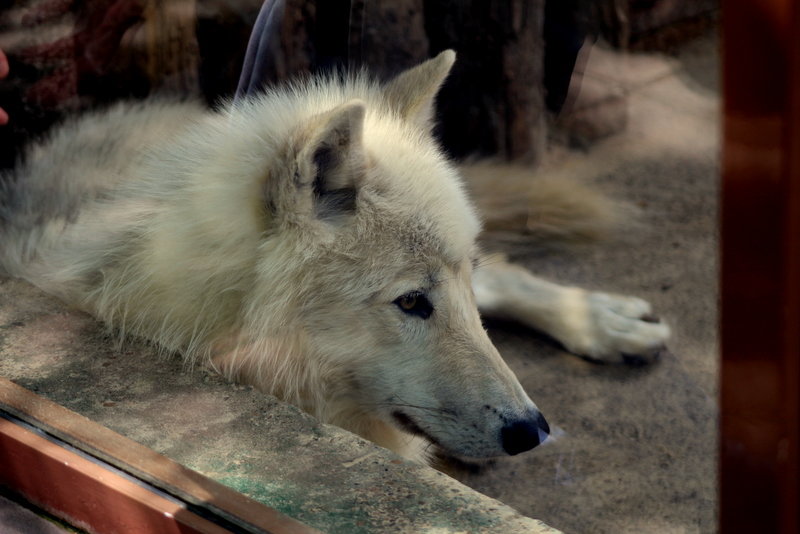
(409, 425)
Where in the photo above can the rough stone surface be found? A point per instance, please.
(271, 452)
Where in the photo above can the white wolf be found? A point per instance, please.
(312, 241)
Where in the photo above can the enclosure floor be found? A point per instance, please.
(637, 446)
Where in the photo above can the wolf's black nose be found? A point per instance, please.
(525, 434)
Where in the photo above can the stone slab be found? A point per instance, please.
(271, 452)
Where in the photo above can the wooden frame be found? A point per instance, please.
(760, 314)
(103, 482)
(87, 494)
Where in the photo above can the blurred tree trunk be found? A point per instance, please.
(493, 103)
(172, 53)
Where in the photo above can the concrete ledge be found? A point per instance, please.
(271, 452)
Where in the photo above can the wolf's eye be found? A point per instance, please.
(415, 303)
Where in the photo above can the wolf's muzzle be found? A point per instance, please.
(524, 434)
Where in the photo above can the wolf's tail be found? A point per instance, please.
(514, 199)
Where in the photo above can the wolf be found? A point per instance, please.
(312, 240)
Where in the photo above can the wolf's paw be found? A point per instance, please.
(615, 329)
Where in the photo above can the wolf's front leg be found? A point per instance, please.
(605, 327)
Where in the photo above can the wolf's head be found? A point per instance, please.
(366, 263)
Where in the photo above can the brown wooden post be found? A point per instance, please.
(760, 267)
(171, 45)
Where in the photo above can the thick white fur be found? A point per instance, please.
(271, 239)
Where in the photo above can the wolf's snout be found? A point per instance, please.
(525, 434)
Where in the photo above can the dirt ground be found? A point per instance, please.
(635, 448)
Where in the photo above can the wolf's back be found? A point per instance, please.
(149, 215)
(82, 158)
(78, 166)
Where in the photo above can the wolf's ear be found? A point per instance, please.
(331, 161)
(412, 93)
